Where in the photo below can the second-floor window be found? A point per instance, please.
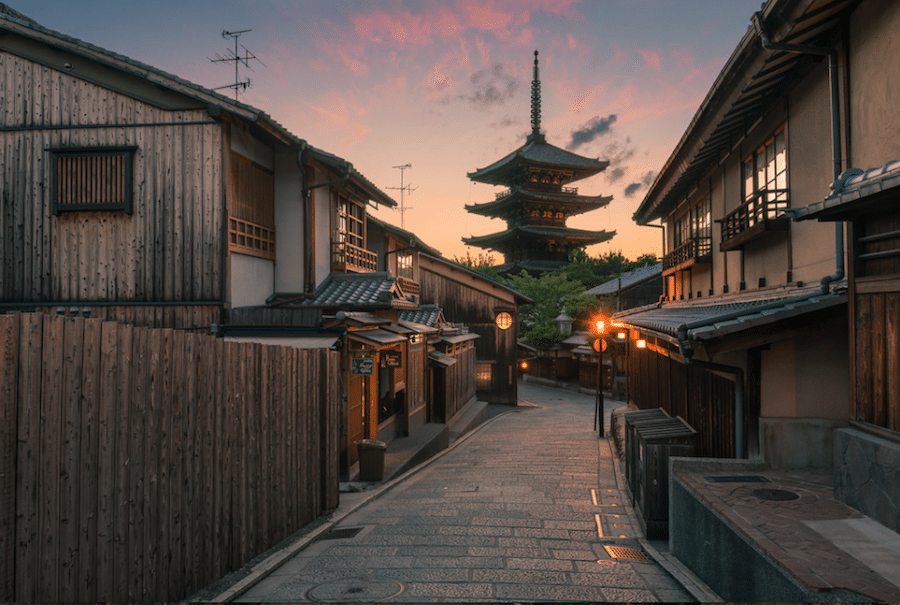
(764, 172)
(251, 220)
(349, 222)
(98, 178)
(696, 224)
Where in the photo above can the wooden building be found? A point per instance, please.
(137, 196)
(752, 344)
(538, 200)
(867, 452)
(486, 308)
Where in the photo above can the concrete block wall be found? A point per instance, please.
(867, 475)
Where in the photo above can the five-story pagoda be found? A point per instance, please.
(538, 201)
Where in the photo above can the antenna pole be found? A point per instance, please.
(237, 59)
(403, 189)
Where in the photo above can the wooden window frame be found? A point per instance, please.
(81, 179)
(251, 208)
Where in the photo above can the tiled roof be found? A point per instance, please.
(538, 151)
(852, 190)
(359, 290)
(582, 236)
(575, 204)
(418, 244)
(428, 315)
(627, 280)
(713, 318)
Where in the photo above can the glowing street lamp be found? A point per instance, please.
(599, 330)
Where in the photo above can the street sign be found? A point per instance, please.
(362, 366)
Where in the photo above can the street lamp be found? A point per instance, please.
(599, 345)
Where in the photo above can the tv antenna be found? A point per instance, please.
(238, 60)
(406, 189)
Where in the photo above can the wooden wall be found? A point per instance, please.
(476, 309)
(170, 249)
(704, 399)
(142, 465)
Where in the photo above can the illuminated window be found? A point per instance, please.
(504, 320)
(484, 375)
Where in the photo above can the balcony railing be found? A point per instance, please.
(689, 253)
(408, 286)
(764, 212)
(567, 190)
(347, 258)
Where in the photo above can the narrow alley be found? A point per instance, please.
(530, 506)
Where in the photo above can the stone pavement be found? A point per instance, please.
(528, 507)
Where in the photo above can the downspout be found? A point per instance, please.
(689, 360)
(837, 160)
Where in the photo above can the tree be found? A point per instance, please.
(483, 263)
(552, 293)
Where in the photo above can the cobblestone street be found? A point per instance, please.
(522, 509)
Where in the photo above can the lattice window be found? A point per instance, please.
(97, 178)
(350, 221)
(765, 174)
(251, 221)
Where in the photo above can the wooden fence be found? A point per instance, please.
(141, 465)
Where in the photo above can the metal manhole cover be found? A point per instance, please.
(773, 494)
(626, 552)
(365, 590)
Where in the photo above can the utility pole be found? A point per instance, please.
(403, 189)
(238, 60)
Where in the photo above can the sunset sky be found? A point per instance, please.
(445, 86)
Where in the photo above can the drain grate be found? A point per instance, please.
(339, 533)
(774, 494)
(626, 552)
(738, 479)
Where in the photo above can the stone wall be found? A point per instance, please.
(867, 475)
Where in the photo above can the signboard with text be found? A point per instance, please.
(362, 366)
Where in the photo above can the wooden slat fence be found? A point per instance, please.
(141, 465)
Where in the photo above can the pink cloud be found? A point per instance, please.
(652, 59)
(571, 42)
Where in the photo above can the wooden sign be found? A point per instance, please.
(362, 366)
(391, 359)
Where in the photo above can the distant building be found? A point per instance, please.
(537, 201)
(635, 288)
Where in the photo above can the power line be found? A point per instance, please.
(238, 60)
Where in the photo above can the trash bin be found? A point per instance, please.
(657, 441)
(631, 449)
(371, 459)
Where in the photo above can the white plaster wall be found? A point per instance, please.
(252, 280)
(322, 205)
(249, 147)
(289, 236)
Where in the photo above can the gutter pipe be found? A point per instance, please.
(831, 53)
(687, 353)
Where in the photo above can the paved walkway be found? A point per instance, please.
(528, 507)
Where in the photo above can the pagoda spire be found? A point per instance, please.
(536, 102)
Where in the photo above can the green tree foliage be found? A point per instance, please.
(483, 263)
(554, 292)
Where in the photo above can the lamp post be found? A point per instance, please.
(599, 329)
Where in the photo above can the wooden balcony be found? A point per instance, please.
(755, 218)
(347, 258)
(692, 252)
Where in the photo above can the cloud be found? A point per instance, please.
(617, 154)
(492, 87)
(642, 183)
(652, 59)
(595, 127)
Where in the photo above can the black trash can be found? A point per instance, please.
(632, 472)
(371, 459)
(657, 441)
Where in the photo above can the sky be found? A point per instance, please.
(445, 87)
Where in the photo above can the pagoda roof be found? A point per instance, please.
(576, 203)
(579, 237)
(538, 153)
